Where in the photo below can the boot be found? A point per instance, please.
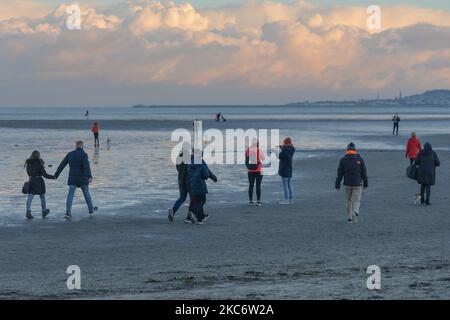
(29, 216)
(45, 213)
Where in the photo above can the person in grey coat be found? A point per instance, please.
(427, 161)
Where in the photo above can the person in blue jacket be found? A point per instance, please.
(285, 156)
(198, 173)
(79, 177)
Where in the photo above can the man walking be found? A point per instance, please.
(353, 170)
(396, 120)
(96, 131)
(79, 177)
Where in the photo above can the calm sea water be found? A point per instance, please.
(135, 171)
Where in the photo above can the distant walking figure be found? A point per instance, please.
(353, 169)
(79, 176)
(183, 187)
(36, 172)
(86, 115)
(96, 130)
(413, 148)
(287, 151)
(427, 161)
(396, 121)
(253, 160)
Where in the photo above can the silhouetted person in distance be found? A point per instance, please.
(36, 172)
(79, 177)
(86, 115)
(396, 121)
(427, 161)
(96, 131)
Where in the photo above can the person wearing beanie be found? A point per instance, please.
(285, 156)
(353, 170)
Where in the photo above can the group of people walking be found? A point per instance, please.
(79, 177)
(192, 180)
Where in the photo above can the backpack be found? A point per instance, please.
(252, 166)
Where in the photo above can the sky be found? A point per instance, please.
(208, 52)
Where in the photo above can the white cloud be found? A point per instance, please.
(254, 45)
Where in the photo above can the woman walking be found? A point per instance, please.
(427, 161)
(413, 148)
(36, 172)
(253, 160)
(287, 151)
(96, 131)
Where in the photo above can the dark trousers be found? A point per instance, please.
(198, 202)
(412, 160)
(252, 178)
(395, 129)
(425, 192)
(96, 139)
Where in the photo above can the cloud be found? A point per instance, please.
(256, 45)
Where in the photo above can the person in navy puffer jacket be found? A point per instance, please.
(287, 151)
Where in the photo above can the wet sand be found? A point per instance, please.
(305, 250)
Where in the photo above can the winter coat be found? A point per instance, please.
(197, 176)
(255, 155)
(353, 169)
(36, 172)
(80, 170)
(413, 148)
(285, 157)
(427, 161)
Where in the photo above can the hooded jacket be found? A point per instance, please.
(197, 176)
(285, 157)
(353, 170)
(80, 169)
(427, 161)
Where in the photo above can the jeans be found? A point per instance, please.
(353, 200)
(30, 201)
(425, 192)
(287, 187)
(395, 129)
(86, 194)
(252, 178)
(181, 199)
(198, 202)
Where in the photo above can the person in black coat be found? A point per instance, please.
(79, 177)
(287, 151)
(427, 161)
(353, 170)
(36, 172)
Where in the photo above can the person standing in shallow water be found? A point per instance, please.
(96, 131)
(287, 151)
(396, 122)
(36, 172)
(353, 170)
(413, 148)
(253, 160)
(79, 177)
(427, 161)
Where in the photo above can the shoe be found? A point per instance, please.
(251, 203)
(170, 215)
(68, 216)
(349, 221)
(29, 216)
(355, 217)
(203, 221)
(285, 202)
(427, 204)
(190, 218)
(95, 210)
(259, 204)
(45, 213)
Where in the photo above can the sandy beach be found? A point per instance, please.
(305, 250)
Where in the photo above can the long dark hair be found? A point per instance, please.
(35, 155)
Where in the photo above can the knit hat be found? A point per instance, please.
(351, 146)
(288, 140)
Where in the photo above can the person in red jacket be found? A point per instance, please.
(95, 130)
(254, 157)
(413, 148)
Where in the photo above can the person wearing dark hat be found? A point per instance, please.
(353, 170)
